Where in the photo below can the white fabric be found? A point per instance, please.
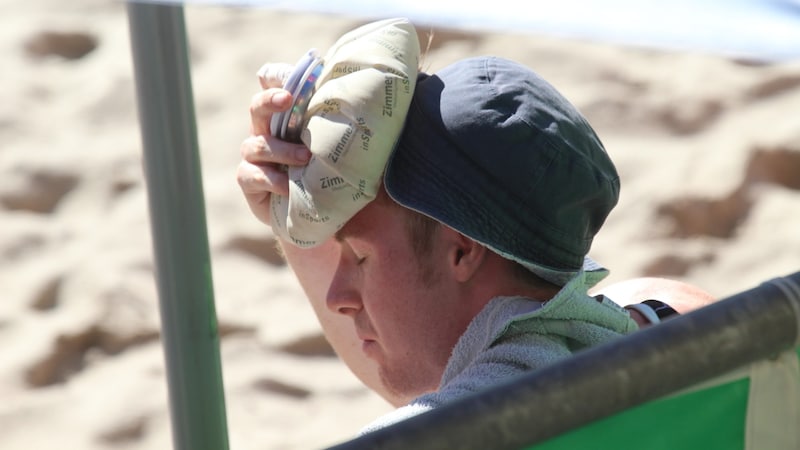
(353, 122)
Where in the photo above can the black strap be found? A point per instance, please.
(661, 309)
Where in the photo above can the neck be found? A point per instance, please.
(498, 278)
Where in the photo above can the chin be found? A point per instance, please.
(403, 388)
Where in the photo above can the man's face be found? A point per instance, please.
(407, 323)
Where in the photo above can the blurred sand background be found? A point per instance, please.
(708, 149)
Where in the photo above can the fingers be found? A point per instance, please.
(274, 75)
(263, 105)
(268, 150)
(262, 171)
(258, 182)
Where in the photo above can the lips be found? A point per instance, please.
(363, 330)
(370, 348)
(365, 337)
(369, 345)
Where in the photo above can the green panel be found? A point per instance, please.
(708, 419)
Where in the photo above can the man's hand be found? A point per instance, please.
(262, 169)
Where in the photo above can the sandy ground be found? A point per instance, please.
(708, 150)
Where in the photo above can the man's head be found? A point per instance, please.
(494, 151)
(494, 169)
(412, 285)
(409, 304)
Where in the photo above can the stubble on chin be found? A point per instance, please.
(406, 384)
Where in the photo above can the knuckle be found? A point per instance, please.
(244, 148)
(254, 148)
(255, 103)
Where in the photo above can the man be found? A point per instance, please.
(470, 265)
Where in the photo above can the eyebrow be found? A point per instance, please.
(343, 233)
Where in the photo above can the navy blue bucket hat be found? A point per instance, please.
(493, 151)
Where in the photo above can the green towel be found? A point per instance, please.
(514, 335)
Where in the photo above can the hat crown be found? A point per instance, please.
(494, 151)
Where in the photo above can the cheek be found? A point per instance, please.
(314, 269)
(394, 265)
(393, 291)
(417, 308)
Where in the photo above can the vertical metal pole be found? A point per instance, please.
(178, 223)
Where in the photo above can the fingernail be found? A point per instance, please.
(280, 97)
(302, 154)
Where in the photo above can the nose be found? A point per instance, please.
(343, 296)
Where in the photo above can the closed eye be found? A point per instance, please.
(341, 237)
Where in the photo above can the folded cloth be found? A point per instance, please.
(352, 123)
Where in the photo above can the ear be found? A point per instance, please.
(464, 255)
